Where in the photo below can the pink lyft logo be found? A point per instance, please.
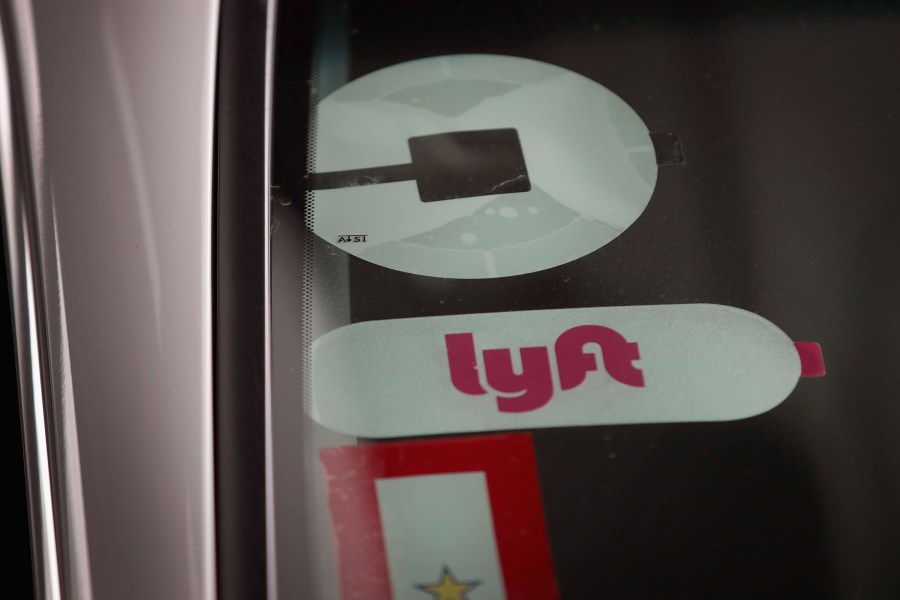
(534, 385)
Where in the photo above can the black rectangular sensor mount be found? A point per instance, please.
(446, 166)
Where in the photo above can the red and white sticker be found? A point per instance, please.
(448, 519)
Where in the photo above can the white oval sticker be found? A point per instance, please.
(476, 166)
(551, 368)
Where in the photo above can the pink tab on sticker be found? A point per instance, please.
(812, 364)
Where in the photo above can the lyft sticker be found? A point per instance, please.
(554, 368)
(532, 387)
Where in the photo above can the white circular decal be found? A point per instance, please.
(476, 166)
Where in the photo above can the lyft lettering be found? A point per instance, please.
(532, 388)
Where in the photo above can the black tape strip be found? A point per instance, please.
(669, 150)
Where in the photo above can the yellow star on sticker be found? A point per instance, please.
(448, 587)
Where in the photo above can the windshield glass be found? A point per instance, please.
(554, 287)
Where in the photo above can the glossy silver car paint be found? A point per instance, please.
(106, 125)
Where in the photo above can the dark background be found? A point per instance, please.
(13, 498)
(787, 206)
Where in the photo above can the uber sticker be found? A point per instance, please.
(554, 368)
(476, 166)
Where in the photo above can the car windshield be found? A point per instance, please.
(554, 290)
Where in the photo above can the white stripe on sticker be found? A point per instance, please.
(435, 522)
